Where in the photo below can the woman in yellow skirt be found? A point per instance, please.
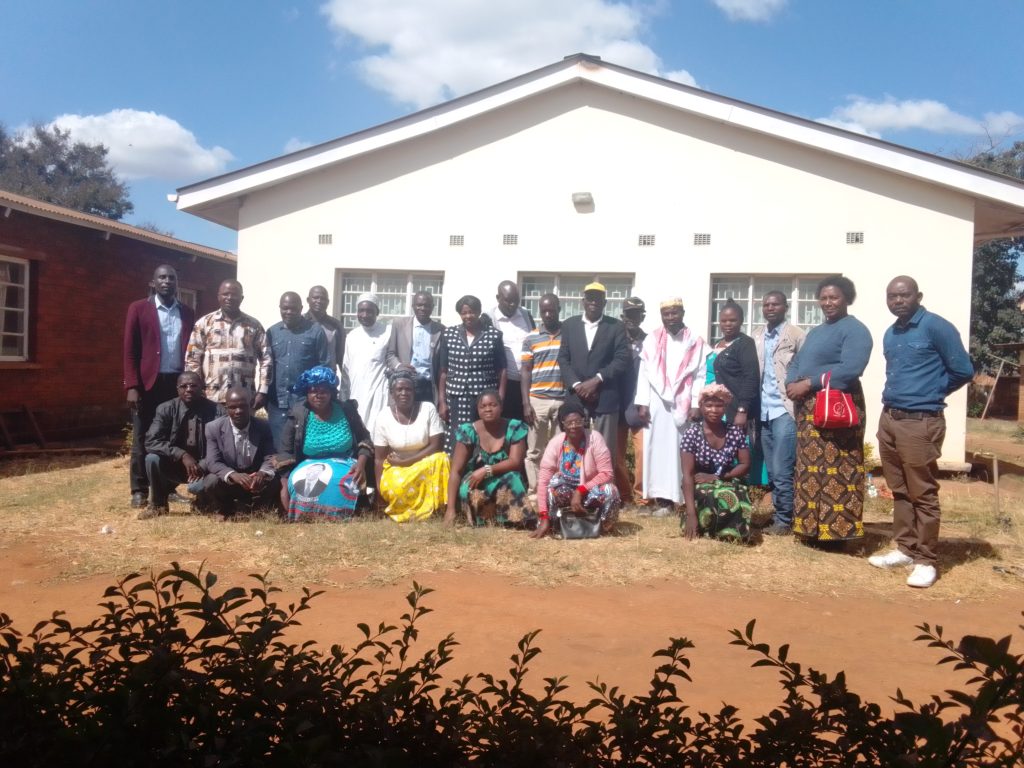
(411, 465)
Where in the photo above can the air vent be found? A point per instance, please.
(702, 238)
(854, 238)
(510, 239)
(645, 241)
(325, 239)
(456, 240)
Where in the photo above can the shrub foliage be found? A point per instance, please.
(177, 673)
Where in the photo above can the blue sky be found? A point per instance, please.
(186, 90)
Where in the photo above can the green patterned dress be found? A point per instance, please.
(501, 498)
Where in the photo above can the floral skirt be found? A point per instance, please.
(602, 502)
(415, 492)
(499, 499)
(829, 477)
(723, 510)
(318, 489)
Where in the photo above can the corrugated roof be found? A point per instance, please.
(69, 215)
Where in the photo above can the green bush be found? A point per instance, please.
(176, 674)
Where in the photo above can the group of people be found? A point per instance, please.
(525, 422)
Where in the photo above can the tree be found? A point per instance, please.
(995, 287)
(46, 164)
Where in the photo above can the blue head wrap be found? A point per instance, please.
(321, 374)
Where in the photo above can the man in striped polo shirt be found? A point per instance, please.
(542, 387)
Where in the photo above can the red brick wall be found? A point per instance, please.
(80, 289)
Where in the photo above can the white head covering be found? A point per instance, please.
(370, 297)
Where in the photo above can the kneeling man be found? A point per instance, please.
(239, 449)
(176, 443)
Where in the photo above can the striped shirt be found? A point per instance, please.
(540, 349)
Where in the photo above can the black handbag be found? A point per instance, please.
(578, 526)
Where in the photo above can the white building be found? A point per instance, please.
(585, 170)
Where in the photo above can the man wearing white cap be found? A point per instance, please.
(364, 366)
(673, 362)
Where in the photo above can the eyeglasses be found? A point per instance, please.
(190, 386)
(573, 424)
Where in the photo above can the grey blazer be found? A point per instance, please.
(400, 346)
(220, 448)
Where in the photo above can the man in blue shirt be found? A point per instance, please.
(296, 345)
(925, 361)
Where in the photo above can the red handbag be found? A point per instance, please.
(834, 409)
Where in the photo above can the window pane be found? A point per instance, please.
(11, 346)
(12, 321)
(535, 286)
(12, 272)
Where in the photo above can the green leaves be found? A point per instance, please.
(175, 672)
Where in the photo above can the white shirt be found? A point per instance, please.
(590, 329)
(514, 331)
(388, 433)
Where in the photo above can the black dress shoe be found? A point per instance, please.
(139, 500)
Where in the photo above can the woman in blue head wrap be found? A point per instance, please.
(325, 448)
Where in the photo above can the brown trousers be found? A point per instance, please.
(910, 449)
(631, 489)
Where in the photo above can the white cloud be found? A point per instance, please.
(875, 117)
(422, 52)
(750, 10)
(146, 144)
(294, 144)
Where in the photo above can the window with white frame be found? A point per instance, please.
(13, 308)
(749, 290)
(569, 290)
(394, 291)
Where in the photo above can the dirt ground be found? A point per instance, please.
(840, 615)
(606, 633)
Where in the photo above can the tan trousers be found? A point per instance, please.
(545, 410)
(910, 450)
(631, 489)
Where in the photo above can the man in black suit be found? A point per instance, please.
(415, 346)
(239, 449)
(593, 357)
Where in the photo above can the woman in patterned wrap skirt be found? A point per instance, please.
(829, 478)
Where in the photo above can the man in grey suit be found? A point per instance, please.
(414, 346)
(239, 450)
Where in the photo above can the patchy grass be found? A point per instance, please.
(64, 508)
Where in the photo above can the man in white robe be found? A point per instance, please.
(364, 366)
(673, 363)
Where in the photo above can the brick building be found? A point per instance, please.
(66, 280)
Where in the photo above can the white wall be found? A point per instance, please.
(770, 208)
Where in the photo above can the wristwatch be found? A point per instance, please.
(741, 409)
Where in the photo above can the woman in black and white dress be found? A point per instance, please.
(472, 361)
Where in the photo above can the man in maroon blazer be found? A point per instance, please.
(156, 333)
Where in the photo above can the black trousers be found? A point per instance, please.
(164, 388)
(424, 391)
(512, 406)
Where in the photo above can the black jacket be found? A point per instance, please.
(177, 430)
(609, 355)
(737, 369)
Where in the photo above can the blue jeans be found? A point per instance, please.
(778, 441)
(276, 417)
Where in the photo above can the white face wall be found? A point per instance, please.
(770, 207)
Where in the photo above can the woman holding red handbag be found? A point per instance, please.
(829, 478)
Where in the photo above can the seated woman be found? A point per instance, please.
(575, 480)
(487, 468)
(326, 448)
(411, 465)
(715, 458)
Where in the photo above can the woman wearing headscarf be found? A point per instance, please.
(411, 465)
(715, 458)
(325, 449)
(365, 363)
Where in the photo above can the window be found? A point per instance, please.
(13, 308)
(569, 290)
(188, 296)
(749, 290)
(393, 289)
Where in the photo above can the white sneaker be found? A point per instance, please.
(923, 576)
(891, 559)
